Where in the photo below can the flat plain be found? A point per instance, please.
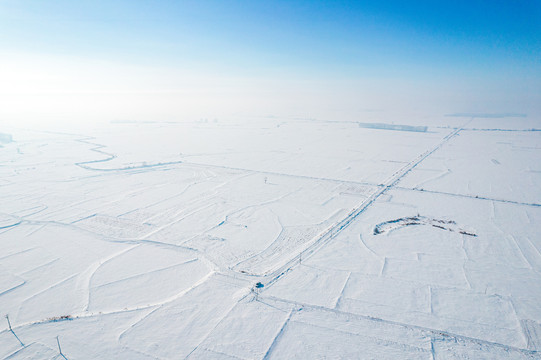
(272, 238)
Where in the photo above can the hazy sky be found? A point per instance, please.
(336, 60)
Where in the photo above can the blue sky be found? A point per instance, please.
(258, 54)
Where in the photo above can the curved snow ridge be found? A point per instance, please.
(89, 314)
(96, 148)
(7, 221)
(109, 156)
(448, 225)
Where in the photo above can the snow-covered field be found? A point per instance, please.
(365, 240)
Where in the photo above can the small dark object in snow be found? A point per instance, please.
(259, 285)
(60, 318)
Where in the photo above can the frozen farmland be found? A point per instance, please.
(272, 238)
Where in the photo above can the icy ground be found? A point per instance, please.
(147, 240)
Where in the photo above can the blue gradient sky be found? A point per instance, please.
(325, 59)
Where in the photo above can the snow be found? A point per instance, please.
(397, 127)
(146, 240)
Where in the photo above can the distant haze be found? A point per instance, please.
(89, 61)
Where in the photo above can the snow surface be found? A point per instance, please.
(147, 240)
